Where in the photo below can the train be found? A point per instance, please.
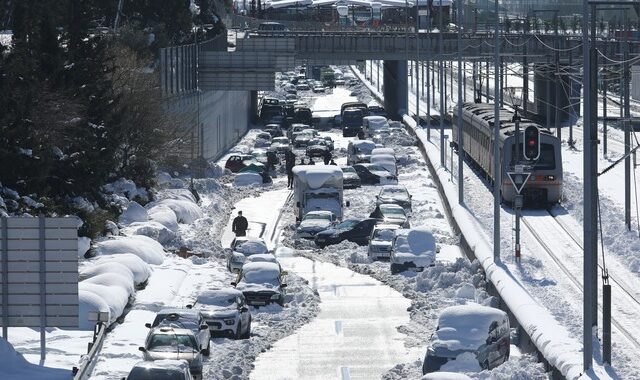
(544, 186)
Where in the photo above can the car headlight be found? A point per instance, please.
(229, 321)
(275, 296)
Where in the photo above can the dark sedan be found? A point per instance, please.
(372, 174)
(317, 148)
(354, 230)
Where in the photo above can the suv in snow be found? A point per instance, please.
(173, 343)
(185, 319)
(481, 330)
(381, 240)
(226, 312)
(160, 370)
(261, 283)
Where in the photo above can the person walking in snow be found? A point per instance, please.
(327, 157)
(240, 225)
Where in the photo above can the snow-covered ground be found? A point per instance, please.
(542, 276)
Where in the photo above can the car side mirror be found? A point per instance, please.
(283, 286)
(142, 349)
(233, 284)
(204, 327)
(244, 309)
(147, 325)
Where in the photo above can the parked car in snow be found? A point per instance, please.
(314, 222)
(296, 127)
(397, 194)
(244, 246)
(381, 240)
(329, 142)
(302, 139)
(387, 161)
(225, 312)
(302, 87)
(412, 249)
(171, 343)
(262, 258)
(237, 162)
(371, 124)
(350, 178)
(260, 155)
(261, 284)
(274, 130)
(480, 330)
(263, 140)
(354, 230)
(280, 144)
(373, 174)
(185, 319)
(317, 147)
(389, 213)
(168, 369)
(318, 88)
(359, 151)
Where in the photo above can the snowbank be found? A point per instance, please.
(84, 244)
(138, 267)
(90, 302)
(133, 213)
(164, 215)
(115, 297)
(114, 280)
(149, 250)
(14, 366)
(154, 230)
(105, 267)
(247, 179)
(186, 211)
(558, 347)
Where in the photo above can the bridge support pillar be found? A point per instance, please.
(396, 97)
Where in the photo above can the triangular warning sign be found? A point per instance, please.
(518, 180)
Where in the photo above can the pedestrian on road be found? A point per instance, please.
(240, 225)
(290, 162)
(327, 157)
(332, 162)
(311, 162)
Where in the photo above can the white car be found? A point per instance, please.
(172, 343)
(381, 240)
(185, 319)
(412, 249)
(393, 214)
(314, 222)
(225, 312)
(241, 247)
(261, 284)
(387, 161)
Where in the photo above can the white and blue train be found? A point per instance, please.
(544, 186)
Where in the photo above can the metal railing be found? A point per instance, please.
(88, 361)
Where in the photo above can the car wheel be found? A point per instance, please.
(238, 334)
(247, 334)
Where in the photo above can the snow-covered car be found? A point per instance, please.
(261, 284)
(412, 249)
(354, 230)
(262, 258)
(389, 213)
(225, 312)
(302, 139)
(359, 151)
(445, 376)
(381, 240)
(248, 179)
(329, 141)
(280, 144)
(314, 222)
(350, 178)
(260, 155)
(237, 162)
(397, 194)
(244, 246)
(185, 319)
(318, 88)
(387, 161)
(274, 130)
(479, 330)
(373, 174)
(171, 343)
(167, 369)
(263, 140)
(302, 87)
(317, 148)
(296, 127)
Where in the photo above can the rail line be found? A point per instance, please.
(572, 277)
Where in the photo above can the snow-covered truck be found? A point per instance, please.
(317, 188)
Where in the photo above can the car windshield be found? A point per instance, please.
(262, 277)
(384, 234)
(141, 373)
(394, 192)
(348, 169)
(376, 168)
(346, 224)
(166, 341)
(319, 216)
(217, 299)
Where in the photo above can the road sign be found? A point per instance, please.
(518, 180)
(38, 273)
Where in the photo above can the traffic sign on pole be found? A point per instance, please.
(518, 180)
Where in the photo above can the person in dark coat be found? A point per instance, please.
(327, 157)
(311, 162)
(290, 162)
(272, 160)
(332, 162)
(240, 225)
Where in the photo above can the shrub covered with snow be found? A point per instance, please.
(138, 267)
(186, 211)
(149, 250)
(115, 297)
(90, 302)
(98, 268)
(152, 229)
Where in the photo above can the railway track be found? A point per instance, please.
(532, 224)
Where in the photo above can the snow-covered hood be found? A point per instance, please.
(219, 312)
(314, 225)
(394, 219)
(420, 260)
(171, 352)
(252, 287)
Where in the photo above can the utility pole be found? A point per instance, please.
(427, 77)
(496, 140)
(525, 74)
(557, 82)
(441, 85)
(460, 132)
(549, 81)
(627, 133)
(417, 65)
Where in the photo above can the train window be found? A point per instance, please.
(546, 161)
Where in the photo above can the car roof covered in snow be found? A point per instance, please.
(317, 175)
(367, 144)
(180, 311)
(169, 364)
(262, 266)
(217, 293)
(320, 212)
(377, 151)
(415, 240)
(465, 327)
(376, 118)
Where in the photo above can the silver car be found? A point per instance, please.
(241, 247)
(226, 312)
(314, 222)
(185, 319)
(172, 343)
(160, 370)
(381, 241)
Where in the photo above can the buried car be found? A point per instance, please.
(389, 213)
(172, 343)
(160, 370)
(225, 312)
(412, 249)
(314, 222)
(480, 330)
(261, 284)
(350, 179)
(354, 230)
(394, 194)
(381, 240)
(244, 246)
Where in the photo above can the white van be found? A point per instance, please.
(372, 123)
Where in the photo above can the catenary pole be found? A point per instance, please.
(460, 132)
(441, 85)
(497, 180)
